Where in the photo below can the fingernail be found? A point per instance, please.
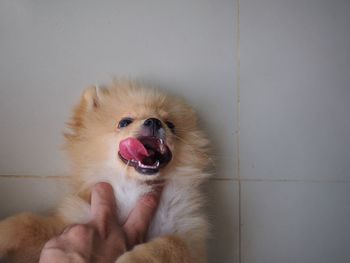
(103, 189)
(103, 186)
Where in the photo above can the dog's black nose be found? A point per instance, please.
(153, 123)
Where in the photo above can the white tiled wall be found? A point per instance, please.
(295, 89)
(294, 131)
(295, 222)
(32, 194)
(282, 188)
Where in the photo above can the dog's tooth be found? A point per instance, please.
(154, 166)
(142, 165)
(157, 164)
(162, 146)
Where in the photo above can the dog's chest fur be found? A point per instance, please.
(178, 211)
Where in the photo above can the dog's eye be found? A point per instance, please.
(125, 122)
(170, 125)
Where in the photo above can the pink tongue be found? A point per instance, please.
(132, 149)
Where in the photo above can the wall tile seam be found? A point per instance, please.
(238, 94)
(64, 177)
(293, 180)
(36, 177)
(233, 179)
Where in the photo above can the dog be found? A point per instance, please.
(129, 136)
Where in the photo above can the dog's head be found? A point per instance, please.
(134, 131)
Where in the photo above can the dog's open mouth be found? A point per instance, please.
(146, 154)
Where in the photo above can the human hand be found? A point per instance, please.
(102, 239)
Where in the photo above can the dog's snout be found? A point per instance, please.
(153, 123)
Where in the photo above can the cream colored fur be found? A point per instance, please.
(179, 229)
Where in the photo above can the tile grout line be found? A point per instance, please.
(16, 176)
(296, 180)
(238, 90)
(233, 179)
(215, 178)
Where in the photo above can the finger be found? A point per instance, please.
(55, 250)
(140, 217)
(50, 255)
(103, 208)
(56, 254)
(78, 238)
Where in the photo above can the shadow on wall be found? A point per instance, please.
(222, 244)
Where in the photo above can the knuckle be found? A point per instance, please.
(120, 244)
(83, 231)
(53, 242)
(135, 236)
(105, 211)
(106, 214)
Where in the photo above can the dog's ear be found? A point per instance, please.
(91, 100)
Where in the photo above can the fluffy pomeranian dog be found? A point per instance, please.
(128, 135)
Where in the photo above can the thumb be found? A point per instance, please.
(139, 219)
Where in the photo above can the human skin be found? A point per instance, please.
(102, 239)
